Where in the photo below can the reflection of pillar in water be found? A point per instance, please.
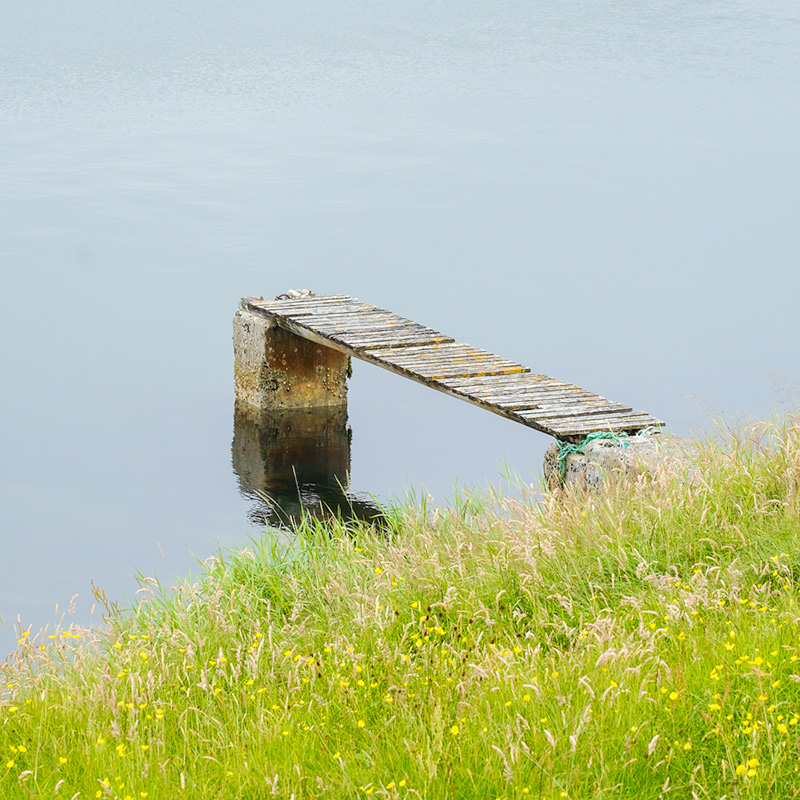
(277, 452)
(290, 462)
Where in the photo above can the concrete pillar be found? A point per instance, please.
(278, 370)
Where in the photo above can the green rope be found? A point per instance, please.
(566, 449)
(648, 431)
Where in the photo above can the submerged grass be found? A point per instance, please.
(641, 644)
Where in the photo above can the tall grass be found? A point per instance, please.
(644, 643)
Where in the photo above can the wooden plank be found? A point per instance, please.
(325, 298)
(429, 377)
(499, 384)
(567, 400)
(565, 403)
(532, 396)
(592, 419)
(410, 328)
(399, 332)
(587, 425)
(457, 368)
(450, 349)
(444, 367)
(578, 411)
(494, 385)
(544, 402)
(299, 310)
(304, 304)
(343, 316)
(439, 353)
(533, 376)
(598, 420)
(526, 394)
(372, 331)
(384, 318)
(313, 315)
(473, 371)
(362, 342)
(419, 360)
(347, 314)
(371, 323)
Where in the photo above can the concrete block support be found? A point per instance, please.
(655, 455)
(275, 370)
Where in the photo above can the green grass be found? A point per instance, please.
(640, 644)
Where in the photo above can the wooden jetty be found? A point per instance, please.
(415, 351)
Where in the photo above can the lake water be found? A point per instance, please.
(608, 193)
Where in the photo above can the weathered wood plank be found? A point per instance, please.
(467, 369)
(544, 402)
(568, 400)
(419, 360)
(557, 403)
(357, 318)
(450, 349)
(522, 387)
(364, 327)
(288, 303)
(406, 329)
(298, 312)
(571, 412)
(397, 335)
(501, 384)
(455, 367)
(586, 425)
(378, 322)
(354, 315)
(377, 342)
(468, 372)
(521, 404)
(376, 329)
(543, 396)
(283, 307)
(446, 352)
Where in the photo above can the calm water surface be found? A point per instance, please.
(608, 193)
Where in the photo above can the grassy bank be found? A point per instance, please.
(644, 644)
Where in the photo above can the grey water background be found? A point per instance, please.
(606, 192)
